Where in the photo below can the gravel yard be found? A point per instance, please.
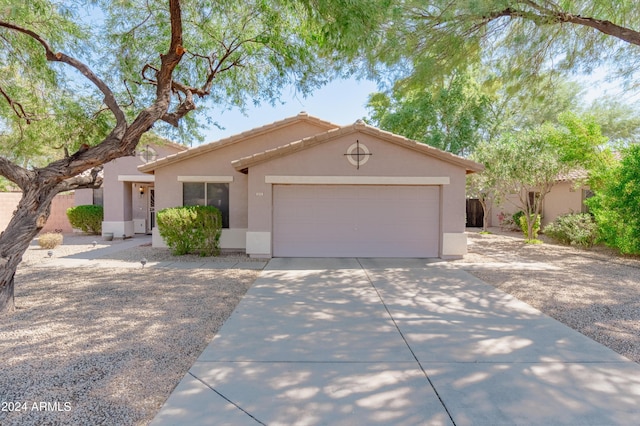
(592, 291)
(107, 346)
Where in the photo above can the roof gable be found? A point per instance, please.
(231, 140)
(359, 126)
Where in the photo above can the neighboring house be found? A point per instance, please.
(304, 187)
(127, 194)
(566, 196)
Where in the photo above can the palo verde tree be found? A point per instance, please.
(78, 90)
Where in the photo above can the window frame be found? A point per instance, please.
(225, 211)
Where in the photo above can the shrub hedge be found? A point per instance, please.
(191, 229)
(88, 218)
(577, 229)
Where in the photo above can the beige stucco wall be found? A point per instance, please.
(83, 197)
(218, 163)
(328, 159)
(57, 221)
(123, 202)
(564, 197)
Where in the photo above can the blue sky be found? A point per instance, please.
(341, 102)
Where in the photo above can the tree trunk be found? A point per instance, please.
(485, 214)
(28, 219)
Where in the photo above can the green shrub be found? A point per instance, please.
(616, 203)
(88, 218)
(191, 229)
(523, 225)
(516, 219)
(50, 240)
(575, 229)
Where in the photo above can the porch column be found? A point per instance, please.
(118, 217)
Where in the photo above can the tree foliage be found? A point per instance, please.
(616, 202)
(449, 118)
(430, 39)
(620, 122)
(531, 161)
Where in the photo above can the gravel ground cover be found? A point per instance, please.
(595, 292)
(107, 346)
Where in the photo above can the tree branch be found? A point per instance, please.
(16, 107)
(183, 109)
(605, 27)
(16, 174)
(558, 17)
(109, 98)
(87, 180)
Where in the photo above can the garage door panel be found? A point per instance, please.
(363, 221)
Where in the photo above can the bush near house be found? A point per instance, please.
(525, 229)
(88, 218)
(616, 202)
(191, 229)
(50, 240)
(573, 229)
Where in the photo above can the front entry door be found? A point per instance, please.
(151, 222)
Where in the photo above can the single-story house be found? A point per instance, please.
(306, 187)
(567, 195)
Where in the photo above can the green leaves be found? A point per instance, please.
(88, 218)
(191, 229)
(449, 118)
(524, 37)
(616, 202)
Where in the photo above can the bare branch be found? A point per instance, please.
(91, 180)
(17, 107)
(185, 106)
(556, 17)
(16, 174)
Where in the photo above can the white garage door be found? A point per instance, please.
(350, 221)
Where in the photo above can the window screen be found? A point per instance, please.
(218, 196)
(193, 194)
(209, 194)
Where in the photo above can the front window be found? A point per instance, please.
(208, 194)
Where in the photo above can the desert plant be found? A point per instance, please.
(575, 229)
(50, 240)
(191, 229)
(87, 217)
(515, 220)
(535, 219)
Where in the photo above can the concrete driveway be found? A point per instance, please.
(397, 342)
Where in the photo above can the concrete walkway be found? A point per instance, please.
(94, 257)
(397, 342)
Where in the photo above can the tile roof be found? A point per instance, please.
(244, 163)
(193, 152)
(573, 175)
